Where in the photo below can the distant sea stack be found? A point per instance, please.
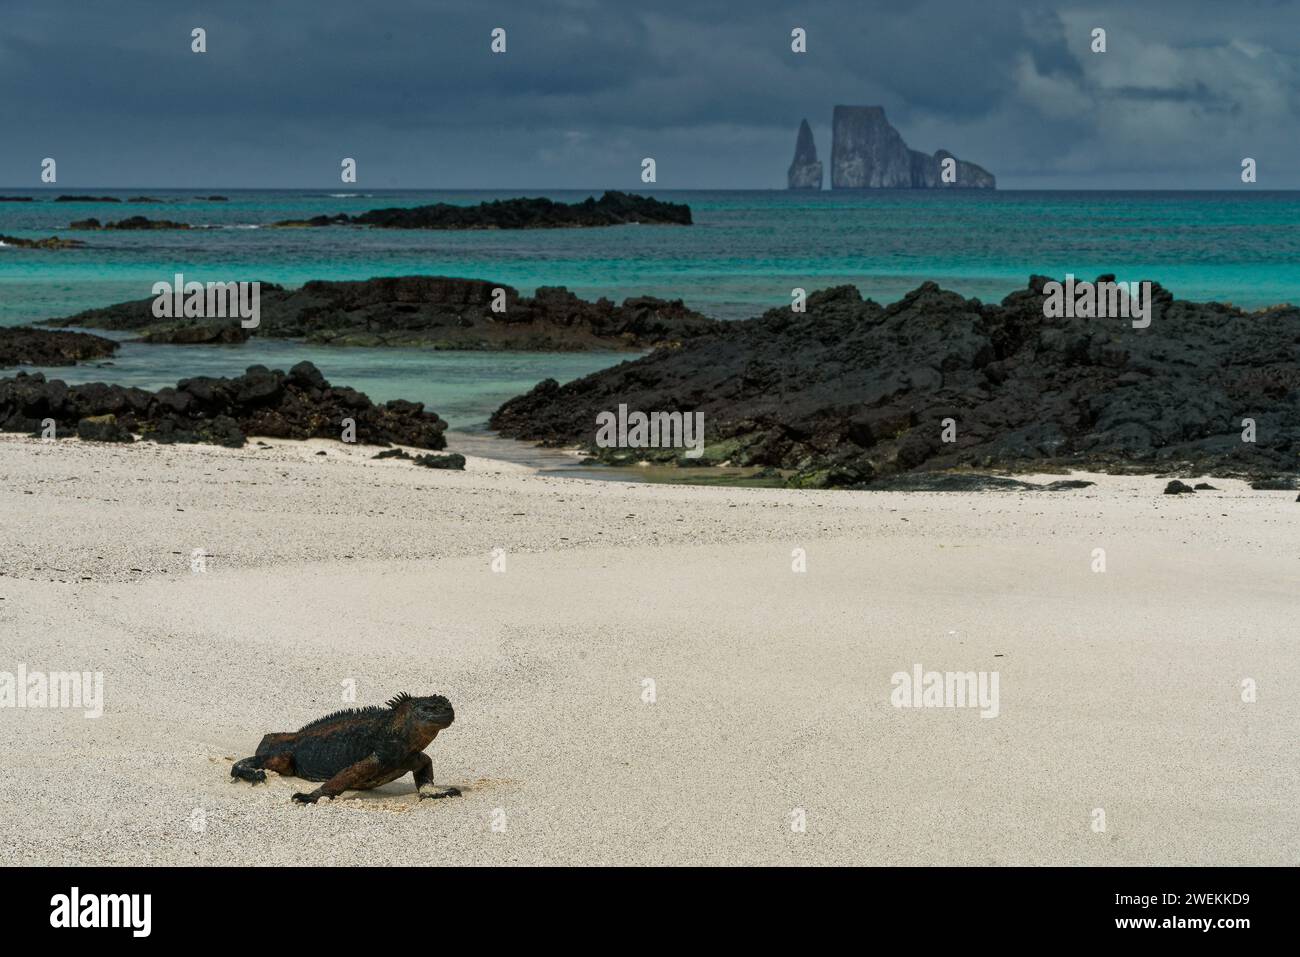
(868, 153)
(806, 171)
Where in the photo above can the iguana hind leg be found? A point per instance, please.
(356, 777)
(421, 765)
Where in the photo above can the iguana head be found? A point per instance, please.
(434, 712)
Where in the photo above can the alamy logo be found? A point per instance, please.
(53, 689)
(216, 300)
(658, 430)
(103, 910)
(946, 689)
(1098, 300)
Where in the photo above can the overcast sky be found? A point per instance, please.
(709, 88)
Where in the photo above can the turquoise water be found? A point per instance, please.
(746, 252)
(462, 387)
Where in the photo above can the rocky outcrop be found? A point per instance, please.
(868, 153)
(131, 222)
(298, 405)
(103, 428)
(429, 311)
(805, 172)
(612, 209)
(185, 332)
(850, 392)
(87, 199)
(41, 347)
(51, 242)
(927, 172)
(453, 461)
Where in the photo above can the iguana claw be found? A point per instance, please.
(440, 793)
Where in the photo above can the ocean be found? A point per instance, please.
(744, 254)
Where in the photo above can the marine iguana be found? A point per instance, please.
(357, 748)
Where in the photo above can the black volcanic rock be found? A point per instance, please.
(298, 405)
(51, 242)
(849, 392)
(190, 332)
(453, 460)
(131, 222)
(969, 482)
(612, 209)
(15, 199)
(805, 171)
(868, 153)
(87, 199)
(103, 428)
(340, 219)
(430, 311)
(41, 347)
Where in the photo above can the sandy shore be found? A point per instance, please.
(1119, 691)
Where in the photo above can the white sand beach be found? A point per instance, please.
(1119, 690)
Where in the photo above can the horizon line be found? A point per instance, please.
(655, 188)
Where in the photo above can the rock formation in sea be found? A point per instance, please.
(428, 311)
(806, 171)
(50, 242)
(131, 222)
(868, 153)
(850, 392)
(614, 208)
(298, 405)
(41, 347)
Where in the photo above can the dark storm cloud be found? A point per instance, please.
(710, 89)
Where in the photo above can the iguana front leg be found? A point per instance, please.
(421, 765)
(248, 769)
(354, 778)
